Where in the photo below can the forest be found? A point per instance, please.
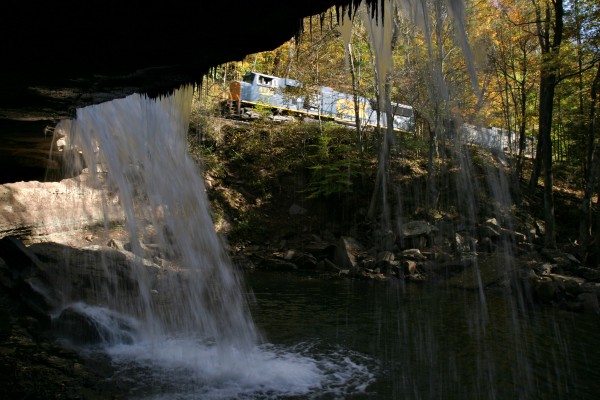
(528, 67)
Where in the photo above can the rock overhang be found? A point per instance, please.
(60, 56)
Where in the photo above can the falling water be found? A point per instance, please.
(464, 196)
(379, 20)
(141, 144)
(183, 328)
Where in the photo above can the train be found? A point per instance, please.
(287, 96)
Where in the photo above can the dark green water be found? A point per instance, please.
(429, 342)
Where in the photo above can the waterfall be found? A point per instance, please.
(194, 336)
(136, 147)
(182, 329)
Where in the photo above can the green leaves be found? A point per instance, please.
(334, 164)
(333, 179)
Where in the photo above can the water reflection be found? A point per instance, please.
(430, 341)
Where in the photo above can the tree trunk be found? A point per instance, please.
(585, 224)
(430, 190)
(357, 122)
(537, 165)
(586, 240)
(592, 132)
(547, 86)
(522, 137)
(550, 32)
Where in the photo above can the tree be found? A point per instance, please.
(513, 54)
(586, 239)
(549, 27)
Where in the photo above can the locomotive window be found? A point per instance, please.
(264, 80)
(248, 78)
(404, 111)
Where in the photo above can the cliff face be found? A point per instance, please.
(58, 56)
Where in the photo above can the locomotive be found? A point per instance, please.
(285, 96)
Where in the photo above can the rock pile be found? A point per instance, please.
(488, 256)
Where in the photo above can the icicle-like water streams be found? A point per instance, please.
(181, 329)
(461, 191)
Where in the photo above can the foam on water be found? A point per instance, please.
(112, 326)
(188, 369)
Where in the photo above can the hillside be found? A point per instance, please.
(290, 198)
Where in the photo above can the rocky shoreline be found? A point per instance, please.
(549, 277)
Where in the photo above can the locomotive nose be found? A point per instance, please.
(235, 91)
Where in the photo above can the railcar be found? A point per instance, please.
(286, 95)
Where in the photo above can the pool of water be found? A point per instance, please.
(430, 342)
(343, 339)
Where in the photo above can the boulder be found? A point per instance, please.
(413, 254)
(82, 324)
(25, 278)
(417, 228)
(346, 253)
(31, 210)
(478, 273)
(301, 259)
(409, 267)
(94, 274)
(589, 274)
(589, 302)
(276, 264)
(545, 289)
(416, 234)
(295, 209)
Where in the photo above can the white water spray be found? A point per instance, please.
(141, 144)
